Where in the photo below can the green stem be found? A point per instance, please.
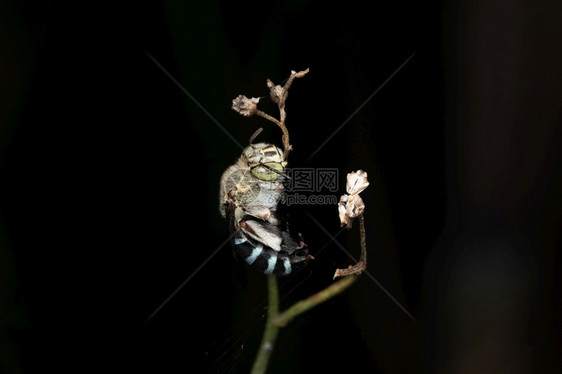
(275, 320)
(300, 307)
(271, 329)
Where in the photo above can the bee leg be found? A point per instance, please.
(299, 259)
(290, 245)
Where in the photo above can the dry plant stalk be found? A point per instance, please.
(351, 206)
(249, 106)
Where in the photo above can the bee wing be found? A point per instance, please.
(229, 209)
(263, 232)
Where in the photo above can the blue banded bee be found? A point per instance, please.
(250, 192)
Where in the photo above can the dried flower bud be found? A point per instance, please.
(244, 106)
(352, 206)
(356, 182)
(344, 220)
(277, 93)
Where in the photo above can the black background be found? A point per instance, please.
(110, 176)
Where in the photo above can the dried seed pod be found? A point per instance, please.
(245, 106)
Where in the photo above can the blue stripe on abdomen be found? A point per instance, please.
(287, 265)
(261, 257)
(258, 249)
(271, 264)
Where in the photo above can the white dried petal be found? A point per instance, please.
(354, 206)
(342, 209)
(356, 182)
(245, 106)
(351, 206)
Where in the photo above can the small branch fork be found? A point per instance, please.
(248, 106)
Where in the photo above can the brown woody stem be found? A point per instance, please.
(360, 266)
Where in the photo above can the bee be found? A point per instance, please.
(250, 193)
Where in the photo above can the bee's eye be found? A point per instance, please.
(268, 172)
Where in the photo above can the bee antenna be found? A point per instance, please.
(254, 136)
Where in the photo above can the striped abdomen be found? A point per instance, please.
(262, 257)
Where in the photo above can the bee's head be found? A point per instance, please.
(265, 161)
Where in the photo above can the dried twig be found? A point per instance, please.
(351, 206)
(248, 106)
(361, 265)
